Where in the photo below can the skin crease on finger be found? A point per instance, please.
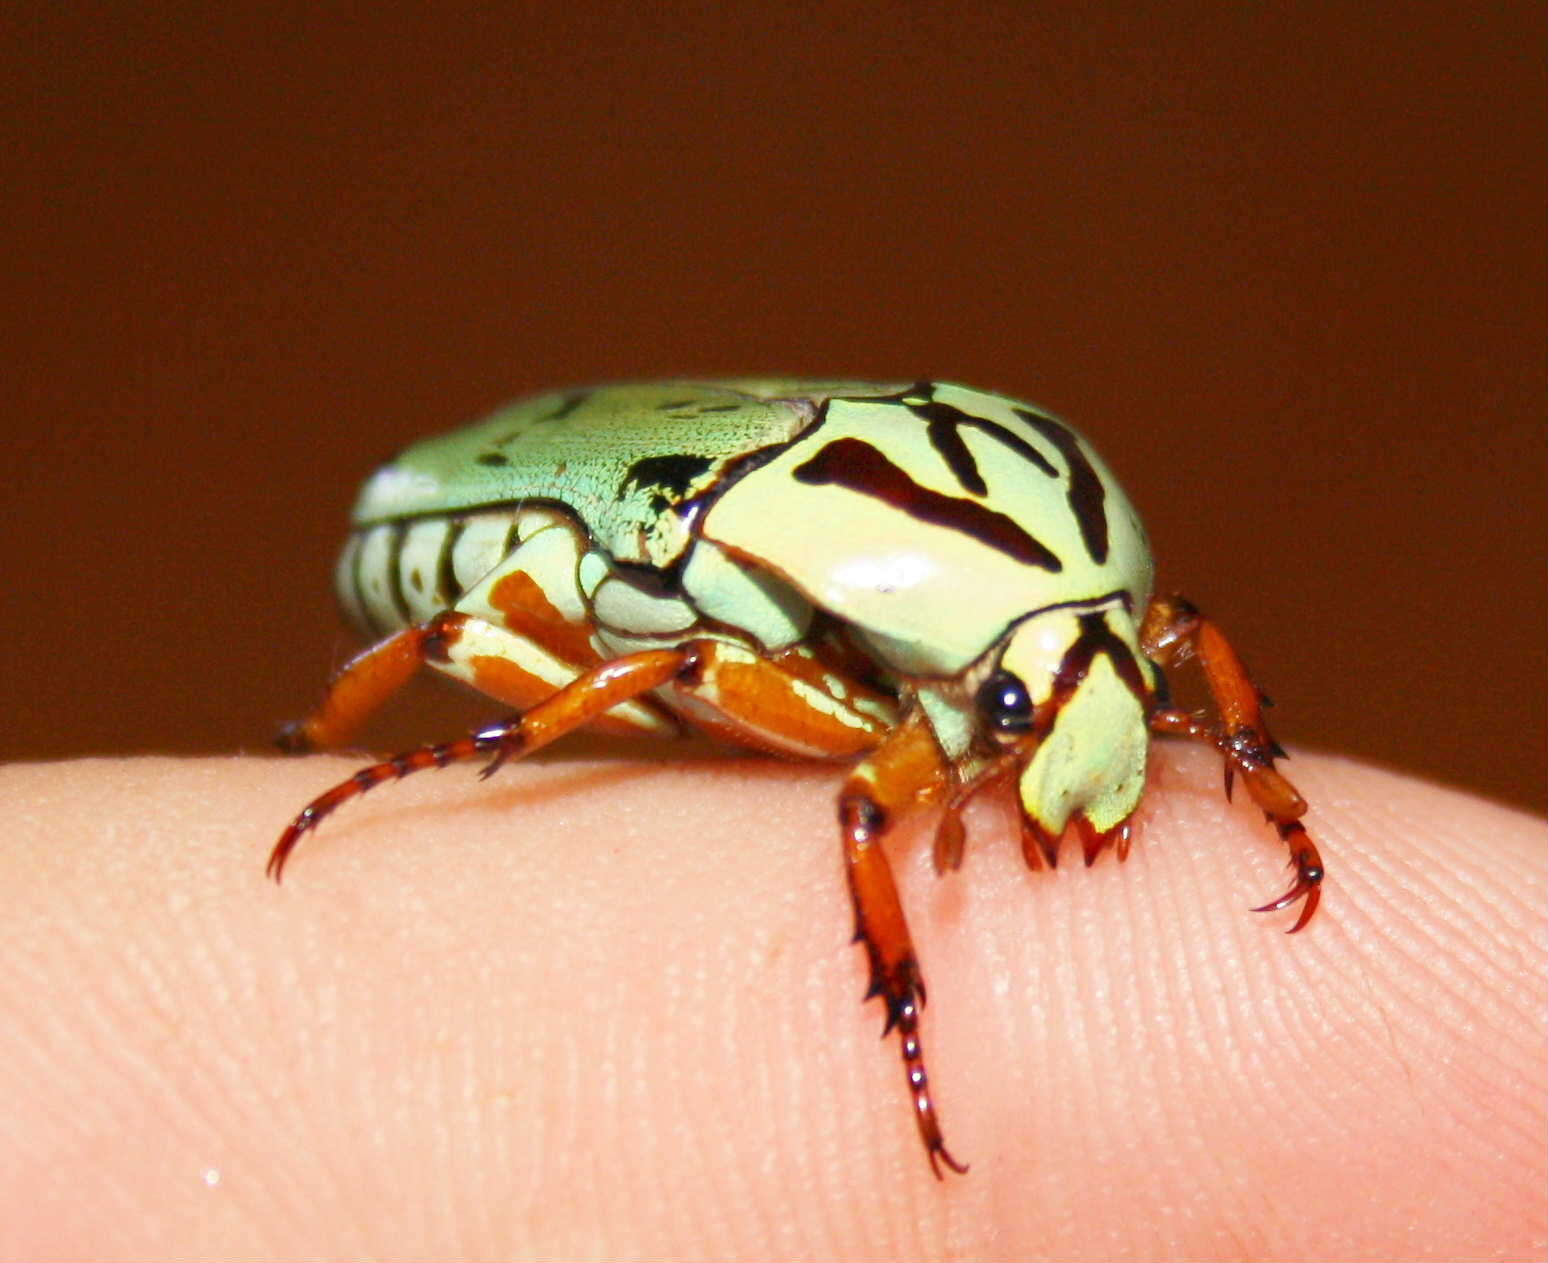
(598, 1008)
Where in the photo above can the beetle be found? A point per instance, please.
(942, 587)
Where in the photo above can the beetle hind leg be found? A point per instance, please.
(1174, 630)
(584, 700)
(393, 769)
(367, 680)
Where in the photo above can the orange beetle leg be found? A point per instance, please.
(520, 663)
(905, 770)
(1174, 630)
(584, 699)
(367, 680)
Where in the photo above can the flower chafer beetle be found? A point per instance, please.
(941, 587)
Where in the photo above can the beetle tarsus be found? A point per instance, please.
(368, 778)
(1308, 874)
(1310, 891)
(892, 778)
(904, 995)
(939, 1154)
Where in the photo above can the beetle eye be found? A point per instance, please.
(1004, 703)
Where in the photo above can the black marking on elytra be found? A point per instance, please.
(691, 511)
(447, 589)
(738, 467)
(492, 458)
(857, 466)
(1087, 495)
(671, 476)
(567, 404)
(722, 407)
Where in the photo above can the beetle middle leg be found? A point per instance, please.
(1175, 630)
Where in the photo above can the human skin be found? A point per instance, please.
(609, 1008)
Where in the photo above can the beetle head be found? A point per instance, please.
(1071, 694)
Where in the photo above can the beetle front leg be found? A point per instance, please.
(1174, 630)
(901, 773)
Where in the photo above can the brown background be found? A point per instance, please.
(1285, 266)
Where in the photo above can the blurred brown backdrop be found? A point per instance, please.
(1285, 266)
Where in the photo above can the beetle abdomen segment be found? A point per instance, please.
(394, 574)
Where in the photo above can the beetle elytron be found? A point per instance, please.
(943, 587)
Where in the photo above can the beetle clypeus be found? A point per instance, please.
(945, 588)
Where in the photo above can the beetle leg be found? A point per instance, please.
(584, 699)
(950, 837)
(366, 681)
(902, 772)
(395, 768)
(788, 703)
(1174, 630)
